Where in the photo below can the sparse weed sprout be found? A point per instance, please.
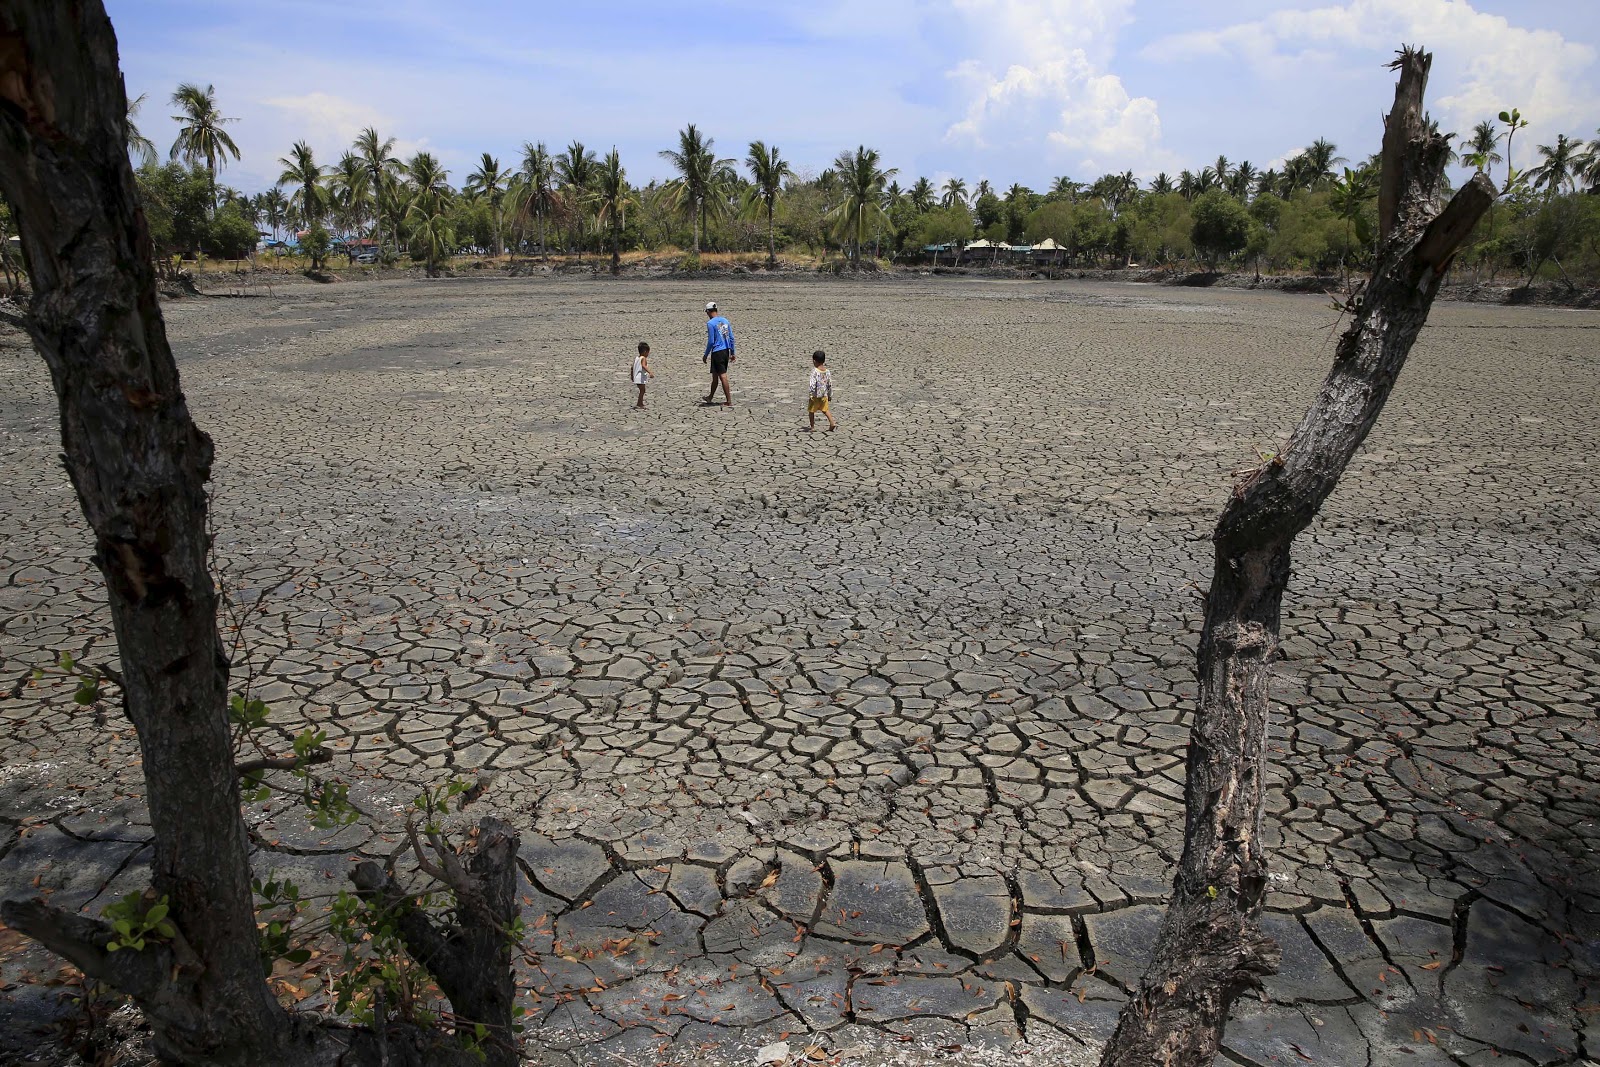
(136, 920)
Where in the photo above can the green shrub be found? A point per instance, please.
(316, 245)
(230, 235)
(1221, 225)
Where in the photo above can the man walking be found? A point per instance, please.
(719, 353)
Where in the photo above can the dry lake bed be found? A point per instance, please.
(871, 742)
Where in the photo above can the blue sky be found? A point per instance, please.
(1008, 90)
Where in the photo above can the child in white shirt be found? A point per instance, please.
(820, 391)
(641, 371)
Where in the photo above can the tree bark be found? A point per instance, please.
(1210, 947)
(139, 465)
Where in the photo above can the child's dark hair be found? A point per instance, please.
(819, 356)
(643, 347)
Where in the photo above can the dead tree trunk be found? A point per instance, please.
(1210, 948)
(139, 465)
(472, 958)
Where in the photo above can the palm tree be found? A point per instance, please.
(1451, 156)
(1186, 183)
(430, 196)
(227, 194)
(1321, 157)
(349, 193)
(955, 192)
(921, 195)
(431, 229)
(1562, 164)
(428, 179)
(1124, 190)
(1350, 196)
(575, 170)
(767, 170)
(1267, 182)
(534, 191)
(489, 181)
(1161, 183)
(138, 144)
(300, 171)
(700, 175)
(611, 197)
(1480, 150)
(863, 179)
(201, 136)
(1242, 180)
(1298, 173)
(1063, 188)
(1222, 168)
(272, 208)
(1591, 164)
(377, 156)
(257, 212)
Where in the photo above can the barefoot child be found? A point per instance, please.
(641, 371)
(821, 391)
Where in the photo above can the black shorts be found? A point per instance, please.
(719, 361)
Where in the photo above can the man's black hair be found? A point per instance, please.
(643, 347)
(819, 356)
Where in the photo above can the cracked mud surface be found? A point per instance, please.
(875, 738)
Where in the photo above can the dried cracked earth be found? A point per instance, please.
(871, 742)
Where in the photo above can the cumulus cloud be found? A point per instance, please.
(326, 118)
(1482, 63)
(1041, 78)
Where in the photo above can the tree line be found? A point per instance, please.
(1316, 212)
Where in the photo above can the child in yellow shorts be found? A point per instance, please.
(820, 392)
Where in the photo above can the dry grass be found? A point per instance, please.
(670, 256)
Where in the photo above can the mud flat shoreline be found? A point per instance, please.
(875, 738)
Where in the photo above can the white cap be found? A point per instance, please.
(711, 305)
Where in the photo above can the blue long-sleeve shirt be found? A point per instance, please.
(719, 335)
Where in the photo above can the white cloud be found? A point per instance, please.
(1482, 63)
(327, 119)
(1041, 80)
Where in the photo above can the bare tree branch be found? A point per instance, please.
(283, 763)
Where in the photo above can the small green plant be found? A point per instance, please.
(281, 895)
(434, 802)
(89, 677)
(376, 965)
(246, 713)
(138, 920)
(473, 1040)
(327, 803)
